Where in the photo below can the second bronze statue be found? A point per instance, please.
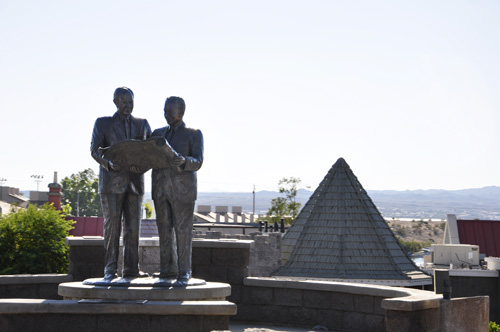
(175, 191)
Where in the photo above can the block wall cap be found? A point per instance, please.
(18, 279)
(41, 306)
(396, 298)
(223, 243)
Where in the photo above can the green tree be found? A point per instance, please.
(286, 206)
(413, 246)
(149, 210)
(80, 191)
(32, 241)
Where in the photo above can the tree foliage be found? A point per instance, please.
(285, 206)
(32, 241)
(149, 210)
(413, 246)
(80, 191)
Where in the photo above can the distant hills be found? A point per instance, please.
(478, 203)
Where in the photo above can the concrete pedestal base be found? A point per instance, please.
(209, 291)
(98, 308)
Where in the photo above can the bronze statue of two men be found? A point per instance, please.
(174, 189)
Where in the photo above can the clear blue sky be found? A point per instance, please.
(406, 91)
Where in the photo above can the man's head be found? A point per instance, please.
(174, 110)
(124, 100)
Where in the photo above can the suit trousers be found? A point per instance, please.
(175, 229)
(115, 207)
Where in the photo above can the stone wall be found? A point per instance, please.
(35, 286)
(340, 306)
(215, 258)
(358, 307)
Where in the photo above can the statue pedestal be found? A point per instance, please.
(211, 291)
(200, 308)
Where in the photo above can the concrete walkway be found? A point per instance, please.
(256, 327)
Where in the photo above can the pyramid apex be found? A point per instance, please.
(340, 163)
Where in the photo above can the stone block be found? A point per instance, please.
(465, 314)
(175, 323)
(48, 291)
(375, 322)
(150, 255)
(202, 255)
(354, 321)
(81, 272)
(235, 275)
(47, 323)
(377, 306)
(211, 323)
(124, 323)
(288, 297)
(363, 303)
(18, 323)
(342, 301)
(261, 240)
(257, 295)
(202, 272)
(231, 257)
(149, 268)
(254, 312)
(413, 321)
(235, 296)
(329, 318)
(217, 273)
(86, 254)
(301, 316)
(96, 271)
(317, 299)
(63, 322)
(25, 291)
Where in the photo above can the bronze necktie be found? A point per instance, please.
(127, 128)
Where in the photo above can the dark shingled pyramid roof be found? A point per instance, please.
(340, 234)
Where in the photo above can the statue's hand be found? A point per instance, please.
(135, 169)
(115, 166)
(179, 161)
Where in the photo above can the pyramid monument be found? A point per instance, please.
(340, 235)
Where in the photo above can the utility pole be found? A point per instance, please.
(78, 199)
(253, 200)
(38, 179)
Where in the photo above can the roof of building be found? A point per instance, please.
(340, 234)
(484, 233)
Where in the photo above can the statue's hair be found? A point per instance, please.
(178, 101)
(121, 91)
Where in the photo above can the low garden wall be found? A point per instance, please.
(34, 286)
(247, 265)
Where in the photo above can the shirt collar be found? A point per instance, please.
(181, 124)
(122, 117)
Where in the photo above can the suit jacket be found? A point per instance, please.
(108, 131)
(175, 184)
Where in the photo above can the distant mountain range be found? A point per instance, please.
(479, 203)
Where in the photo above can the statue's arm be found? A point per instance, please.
(96, 143)
(195, 160)
(147, 129)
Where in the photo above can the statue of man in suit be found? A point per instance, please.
(175, 191)
(121, 189)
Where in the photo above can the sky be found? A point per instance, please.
(407, 92)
